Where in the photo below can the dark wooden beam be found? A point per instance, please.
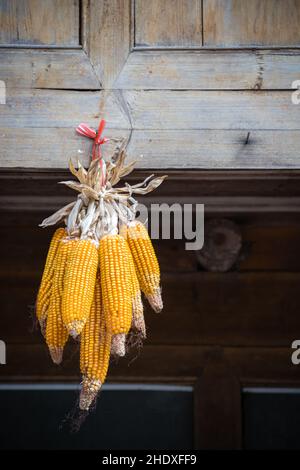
(229, 192)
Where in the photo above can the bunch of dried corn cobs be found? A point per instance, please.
(95, 271)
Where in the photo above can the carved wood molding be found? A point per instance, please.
(223, 193)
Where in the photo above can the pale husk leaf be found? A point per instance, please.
(58, 215)
(151, 186)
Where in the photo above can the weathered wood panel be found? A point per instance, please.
(154, 116)
(54, 108)
(215, 148)
(165, 23)
(69, 69)
(106, 36)
(210, 70)
(50, 22)
(193, 109)
(251, 23)
(52, 147)
(21, 147)
(160, 132)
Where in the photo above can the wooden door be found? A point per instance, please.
(55, 58)
(193, 84)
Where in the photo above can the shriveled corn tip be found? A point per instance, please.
(155, 300)
(56, 354)
(43, 312)
(43, 324)
(89, 391)
(118, 345)
(138, 324)
(138, 320)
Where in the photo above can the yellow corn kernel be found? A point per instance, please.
(115, 284)
(56, 332)
(146, 264)
(79, 285)
(43, 297)
(95, 344)
(138, 321)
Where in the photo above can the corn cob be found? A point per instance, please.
(43, 297)
(145, 261)
(105, 308)
(56, 332)
(138, 321)
(115, 277)
(80, 277)
(95, 344)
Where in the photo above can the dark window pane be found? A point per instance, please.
(271, 418)
(130, 417)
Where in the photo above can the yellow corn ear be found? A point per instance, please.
(145, 261)
(115, 284)
(95, 342)
(79, 285)
(43, 297)
(138, 321)
(56, 332)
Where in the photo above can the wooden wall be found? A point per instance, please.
(186, 80)
(201, 88)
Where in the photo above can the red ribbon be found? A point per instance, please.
(85, 130)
